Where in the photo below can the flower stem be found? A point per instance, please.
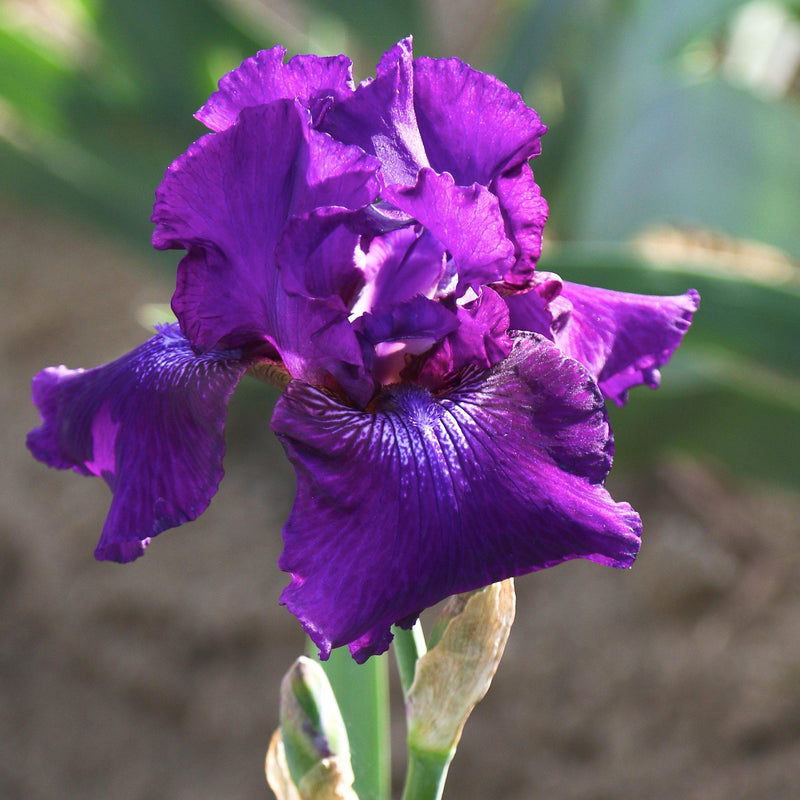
(362, 692)
(426, 771)
(409, 645)
(426, 774)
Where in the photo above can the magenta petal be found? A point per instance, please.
(264, 78)
(473, 126)
(623, 338)
(465, 219)
(150, 424)
(427, 497)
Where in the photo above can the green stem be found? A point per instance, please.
(409, 645)
(426, 774)
(362, 692)
(426, 771)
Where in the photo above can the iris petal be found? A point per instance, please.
(427, 497)
(621, 338)
(465, 219)
(399, 265)
(150, 424)
(472, 125)
(264, 77)
(481, 340)
(525, 213)
(228, 201)
(379, 117)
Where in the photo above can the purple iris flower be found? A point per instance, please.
(373, 247)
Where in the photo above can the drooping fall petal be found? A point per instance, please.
(427, 496)
(150, 424)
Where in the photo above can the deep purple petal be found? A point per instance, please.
(227, 200)
(465, 219)
(479, 341)
(417, 318)
(541, 308)
(623, 338)
(319, 280)
(426, 497)
(379, 118)
(399, 265)
(394, 333)
(318, 345)
(525, 213)
(472, 125)
(317, 256)
(150, 424)
(264, 78)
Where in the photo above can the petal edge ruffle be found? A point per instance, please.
(150, 424)
(264, 78)
(427, 497)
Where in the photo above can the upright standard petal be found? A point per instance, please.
(441, 114)
(621, 338)
(379, 118)
(227, 201)
(476, 129)
(398, 265)
(472, 125)
(427, 496)
(525, 213)
(150, 424)
(319, 280)
(264, 78)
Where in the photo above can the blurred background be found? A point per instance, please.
(672, 160)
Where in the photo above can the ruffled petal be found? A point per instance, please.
(540, 308)
(317, 256)
(623, 338)
(318, 345)
(399, 265)
(150, 424)
(473, 126)
(427, 497)
(379, 118)
(525, 213)
(465, 219)
(264, 77)
(318, 282)
(479, 341)
(227, 200)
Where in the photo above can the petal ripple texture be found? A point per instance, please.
(150, 424)
(428, 497)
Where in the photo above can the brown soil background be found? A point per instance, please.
(677, 679)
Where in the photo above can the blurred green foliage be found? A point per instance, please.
(650, 123)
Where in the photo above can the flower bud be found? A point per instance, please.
(467, 643)
(312, 745)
